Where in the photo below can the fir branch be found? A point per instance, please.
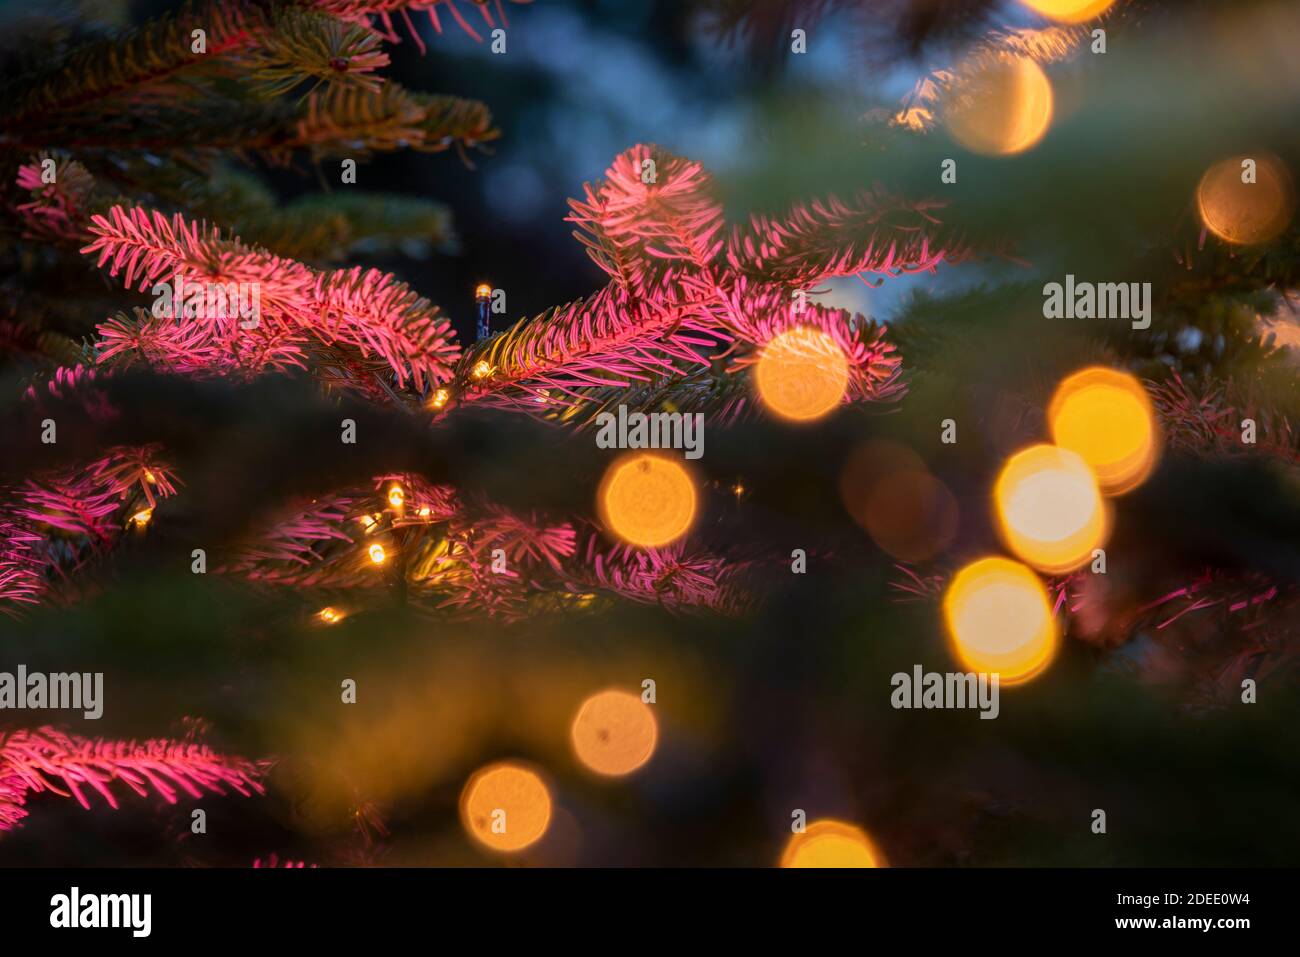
(607, 340)
(355, 122)
(198, 349)
(722, 398)
(22, 571)
(1209, 421)
(677, 577)
(117, 65)
(336, 226)
(874, 233)
(53, 520)
(57, 211)
(875, 368)
(368, 310)
(654, 226)
(652, 216)
(304, 45)
(72, 766)
(368, 11)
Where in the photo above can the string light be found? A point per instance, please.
(801, 374)
(330, 615)
(647, 499)
(1050, 509)
(482, 295)
(396, 497)
(141, 518)
(831, 843)
(1106, 417)
(999, 620)
(439, 399)
(505, 807)
(481, 369)
(614, 732)
(377, 554)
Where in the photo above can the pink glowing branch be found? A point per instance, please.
(675, 577)
(71, 766)
(74, 382)
(682, 287)
(57, 210)
(652, 216)
(49, 520)
(369, 311)
(874, 232)
(376, 12)
(274, 860)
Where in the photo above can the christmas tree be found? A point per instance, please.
(978, 360)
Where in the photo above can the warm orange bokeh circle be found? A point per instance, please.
(1001, 106)
(1049, 508)
(1106, 417)
(831, 843)
(614, 732)
(999, 620)
(505, 806)
(647, 499)
(802, 374)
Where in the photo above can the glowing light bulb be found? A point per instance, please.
(150, 477)
(801, 374)
(614, 732)
(1241, 212)
(505, 807)
(329, 615)
(999, 620)
(1049, 508)
(377, 554)
(141, 518)
(481, 369)
(396, 497)
(1001, 106)
(1069, 11)
(439, 399)
(647, 499)
(482, 291)
(1106, 417)
(829, 843)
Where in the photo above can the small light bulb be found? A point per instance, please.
(439, 399)
(481, 369)
(396, 497)
(150, 477)
(141, 517)
(377, 554)
(329, 615)
(482, 291)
